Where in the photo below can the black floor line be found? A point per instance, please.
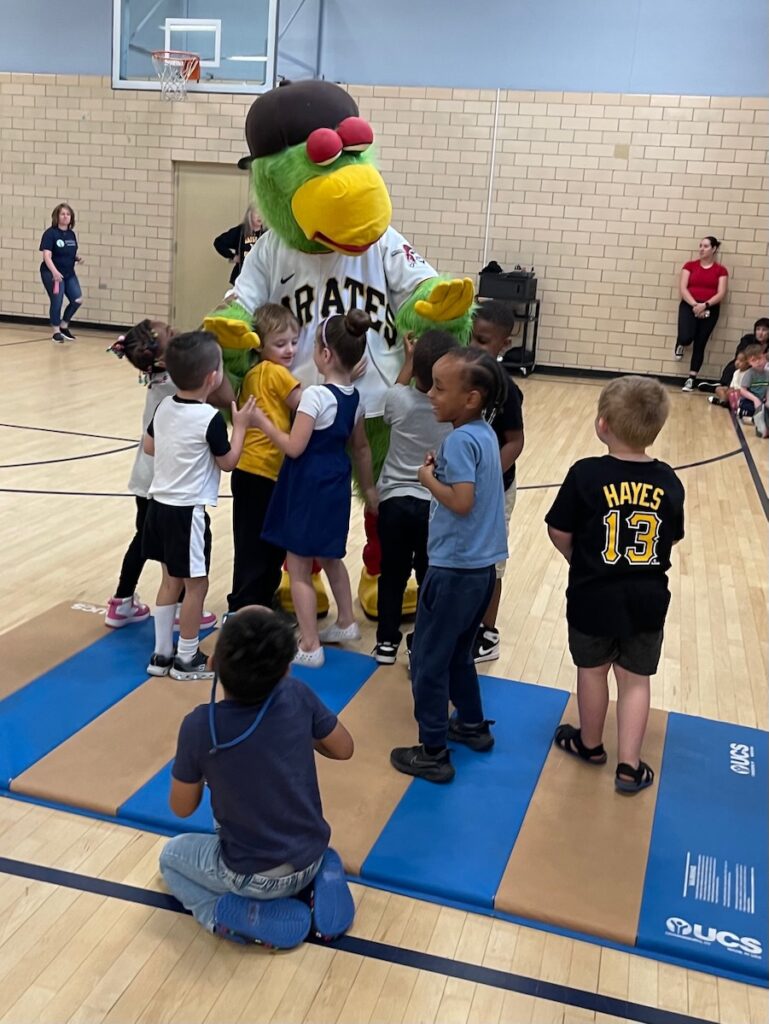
(758, 483)
(69, 458)
(378, 951)
(27, 341)
(70, 433)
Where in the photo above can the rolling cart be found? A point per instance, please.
(518, 288)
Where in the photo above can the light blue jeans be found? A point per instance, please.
(194, 871)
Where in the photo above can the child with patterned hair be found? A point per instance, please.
(144, 346)
(466, 539)
(188, 439)
(257, 564)
(309, 514)
(404, 504)
(615, 521)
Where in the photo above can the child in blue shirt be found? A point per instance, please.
(255, 749)
(467, 537)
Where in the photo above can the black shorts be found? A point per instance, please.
(179, 536)
(639, 653)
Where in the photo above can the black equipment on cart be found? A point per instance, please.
(518, 288)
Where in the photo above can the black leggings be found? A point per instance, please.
(695, 332)
(133, 562)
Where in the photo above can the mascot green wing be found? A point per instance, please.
(439, 302)
(232, 326)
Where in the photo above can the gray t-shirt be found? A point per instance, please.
(756, 381)
(414, 430)
(160, 386)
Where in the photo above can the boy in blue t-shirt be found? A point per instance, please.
(467, 537)
(255, 749)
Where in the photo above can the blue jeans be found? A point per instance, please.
(194, 871)
(451, 606)
(70, 287)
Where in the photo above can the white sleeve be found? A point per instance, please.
(252, 285)
(737, 378)
(318, 402)
(403, 266)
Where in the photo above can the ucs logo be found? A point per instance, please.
(741, 759)
(743, 944)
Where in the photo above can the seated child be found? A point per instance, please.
(404, 504)
(255, 749)
(754, 386)
(729, 396)
(493, 324)
(188, 439)
(615, 521)
(759, 336)
(257, 564)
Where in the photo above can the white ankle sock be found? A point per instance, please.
(164, 629)
(187, 649)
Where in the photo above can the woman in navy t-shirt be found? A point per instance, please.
(59, 248)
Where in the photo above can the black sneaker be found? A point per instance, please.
(68, 335)
(486, 646)
(386, 653)
(706, 385)
(58, 337)
(160, 665)
(476, 737)
(416, 761)
(196, 668)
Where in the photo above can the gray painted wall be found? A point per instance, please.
(701, 47)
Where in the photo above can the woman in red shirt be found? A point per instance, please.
(703, 289)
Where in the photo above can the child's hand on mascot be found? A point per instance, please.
(231, 333)
(447, 301)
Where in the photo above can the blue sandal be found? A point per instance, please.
(333, 908)
(279, 924)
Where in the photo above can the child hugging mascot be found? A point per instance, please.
(330, 248)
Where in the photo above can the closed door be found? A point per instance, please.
(210, 199)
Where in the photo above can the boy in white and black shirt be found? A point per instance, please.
(188, 439)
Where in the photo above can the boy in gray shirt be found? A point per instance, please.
(404, 504)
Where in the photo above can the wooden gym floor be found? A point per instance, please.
(72, 414)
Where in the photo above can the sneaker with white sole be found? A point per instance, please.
(58, 338)
(688, 385)
(160, 665)
(68, 335)
(486, 646)
(310, 659)
(335, 634)
(195, 668)
(207, 619)
(385, 653)
(679, 352)
(121, 611)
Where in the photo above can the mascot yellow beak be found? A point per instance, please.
(347, 210)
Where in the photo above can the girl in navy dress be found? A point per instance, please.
(309, 513)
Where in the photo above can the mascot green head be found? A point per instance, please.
(312, 169)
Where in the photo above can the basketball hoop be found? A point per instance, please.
(175, 68)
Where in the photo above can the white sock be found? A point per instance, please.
(164, 629)
(187, 649)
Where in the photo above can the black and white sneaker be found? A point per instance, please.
(68, 335)
(486, 647)
(688, 385)
(160, 665)
(196, 668)
(58, 337)
(679, 352)
(385, 653)
(706, 385)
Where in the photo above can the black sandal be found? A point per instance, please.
(569, 740)
(630, 780)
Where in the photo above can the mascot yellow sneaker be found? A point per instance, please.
(284, 594)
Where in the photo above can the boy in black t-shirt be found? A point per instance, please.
(493, 325)
(615, 520)
(255, 749)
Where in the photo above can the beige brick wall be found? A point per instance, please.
(606, 194)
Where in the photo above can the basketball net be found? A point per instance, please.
(175, 68)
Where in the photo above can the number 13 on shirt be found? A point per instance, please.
(643, 548)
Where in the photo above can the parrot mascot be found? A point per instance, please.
(330, 248)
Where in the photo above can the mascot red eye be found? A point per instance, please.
(323, 146)
(356, 134)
